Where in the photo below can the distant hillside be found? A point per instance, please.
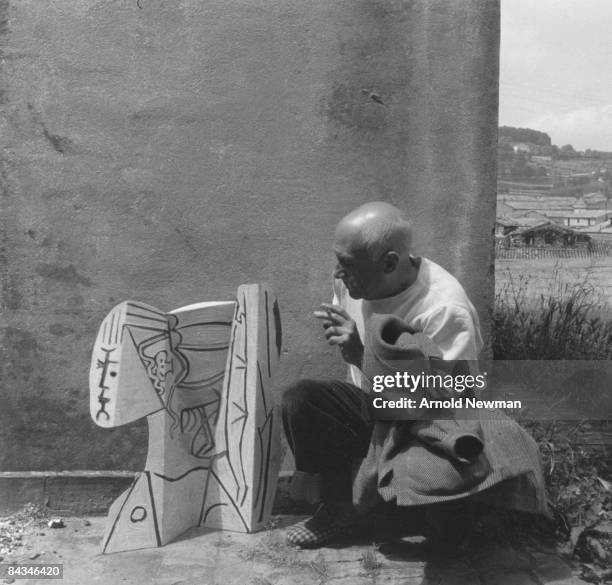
(511, 134)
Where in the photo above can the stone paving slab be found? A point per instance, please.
(209, 557)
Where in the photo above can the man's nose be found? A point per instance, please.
(339, 272)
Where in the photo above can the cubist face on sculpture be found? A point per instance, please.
(132, 365)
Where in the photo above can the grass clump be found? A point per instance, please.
(563, 325)
(369, 560)
(567, 323)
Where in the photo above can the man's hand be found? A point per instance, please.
(341, 330)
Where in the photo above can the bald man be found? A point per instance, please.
(326, 421)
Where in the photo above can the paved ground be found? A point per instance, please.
(206, 557)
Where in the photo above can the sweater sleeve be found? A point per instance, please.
(453, 330)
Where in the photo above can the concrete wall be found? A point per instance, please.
(169, 151)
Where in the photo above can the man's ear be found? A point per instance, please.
(391, 261)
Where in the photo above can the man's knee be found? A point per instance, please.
(300, 395)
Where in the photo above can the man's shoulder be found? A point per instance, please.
(435, 277)
(443, 290)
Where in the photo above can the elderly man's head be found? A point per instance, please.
(372, 247)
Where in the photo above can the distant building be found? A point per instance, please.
(535, 202)
(580, 178)
(521, 147)
(505, 225)
(578, 217)
(548, 235)
(539, 158)
(596, 201)
(600, 231)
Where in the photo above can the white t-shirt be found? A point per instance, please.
(435, 304)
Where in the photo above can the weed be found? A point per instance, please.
(319, 566)
(564, 324)
(577, 476)
(369, 560)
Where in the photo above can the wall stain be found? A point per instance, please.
(351, 106)
(21, 343)
(67, 274)
(60, 330)
(60, 144)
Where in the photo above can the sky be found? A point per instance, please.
(556, 70)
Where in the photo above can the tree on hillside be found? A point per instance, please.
(510, 133)
(566, 152)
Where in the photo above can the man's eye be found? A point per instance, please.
(100, 364)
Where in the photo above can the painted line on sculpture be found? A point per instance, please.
(117, 330)
(261, 460)
(147, 308)
(201, 323)
(260, 430)
(260, 475)
(213, 401)
(261, 453)
(103, 400)
(230, 370)
(263, 394)
(230, 499)
(211, 347)
(110, 333)
(138, 351)
(244, 398)
(200, 453)
(203, 430)
(147, 317)
(148, 474)
(145, 328)
(213, 459)
(267, 334)
(278, 327)
(241, 318)
(178, 380)
(205, 494)
(267, 464)
(211, 509)
(188, 419)
(241, 409)
(127, 497)
(173, 479)
(217, 410)
(206, 381)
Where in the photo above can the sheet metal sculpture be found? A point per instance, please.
(202, 375)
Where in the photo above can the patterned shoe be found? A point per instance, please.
(330, 521)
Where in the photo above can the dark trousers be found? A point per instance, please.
(327, 427)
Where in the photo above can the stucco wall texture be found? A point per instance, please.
(169, 151)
